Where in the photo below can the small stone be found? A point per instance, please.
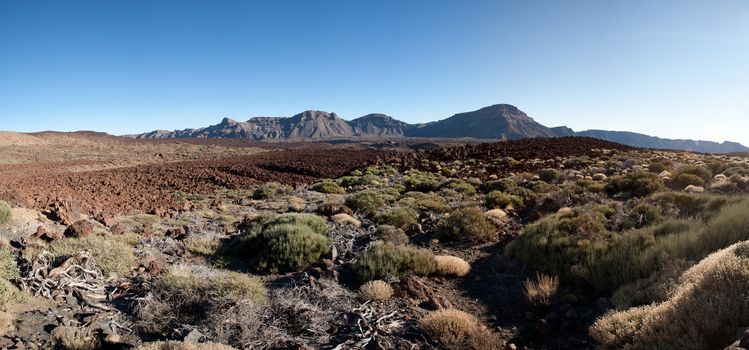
(570, 298)
(571, 314)
(600, 177)
(530, 316)
(510, 346)
(113, 338)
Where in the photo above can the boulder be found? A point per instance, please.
(80, 229)
(67, 211)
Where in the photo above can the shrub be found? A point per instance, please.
(557, 243)
(176, 345)
(400, 217)
(502, 185)
(461, 187)
(391, 234)
(496, 199)
(455, 329)
(700, 171)
(684, 180)
(357, 180)
(8, 267)
(422, 181)
(191, 294)
(290, 247)
(550, 175)
(270, 189)
(5, 213)
(691, 205)
(314, 222)
(717, 166)
(468, 223)
(642, 215)
(657, 168)
(451, 266)
(424, 202)
(328, 186)
(383, 259)
(636, 184)
(111, 256)
(703, 313)
(206, 246)
(540, 290)
(376, 290)
(9, 294)
(367, 201)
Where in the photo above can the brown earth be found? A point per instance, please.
(150, 188)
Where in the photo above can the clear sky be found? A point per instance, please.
(671, 68)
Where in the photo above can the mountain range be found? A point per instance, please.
(497, 122)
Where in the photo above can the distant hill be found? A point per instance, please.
(497, 122)
(645, 141)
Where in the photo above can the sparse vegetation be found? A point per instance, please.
(400, 217)
(5, 213)
(468, 223)
(540, 290)
(376, 290)
(328, 186)
(110, 255)
(455, 329)
(383, 259)
(451, 266)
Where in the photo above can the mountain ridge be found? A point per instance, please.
(495, 122)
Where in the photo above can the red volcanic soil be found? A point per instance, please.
(149, 188)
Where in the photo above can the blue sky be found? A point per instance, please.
(668, 68)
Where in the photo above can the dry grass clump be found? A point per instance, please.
(704, 312)
(5, 212)
(542, 289)
(452, 266)
(206, 246)
(501, 200)
(177, 345)
(190, 294)
(71, 338)
(468, 223)
(376, 290)
(455, 329)
(383, 259)
(111, 255)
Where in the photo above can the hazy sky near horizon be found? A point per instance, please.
(670, 68)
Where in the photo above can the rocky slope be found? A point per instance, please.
(497, 122)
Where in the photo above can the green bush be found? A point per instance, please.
(383, 259)
(400, 217)
(461, 187)
(422, 181)
(424, 202)
(328, 186)
(700, 171)
(550, 175)
(359, 180)
(717, 166)
(657, 168)
(642, 215)
(367, 201)
(391, 234)
(691, 204)
(558, 242)
(314, 222)
(636, 184)
(5, 213)
(8, 267)
(502, 185)
(684, 180)
(289, 247)
(270, 189)
(468, 223)
(497, 199)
